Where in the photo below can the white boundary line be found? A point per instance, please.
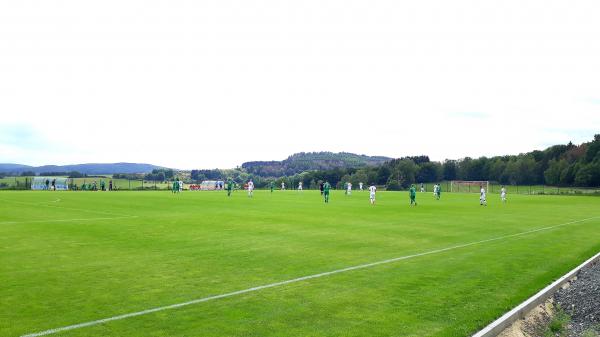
(299, 279)
(48, 202)
(65, 220)
(45, 204)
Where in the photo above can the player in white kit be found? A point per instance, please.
(349, 189)
(300, 186)
(372, 190)
(180, 183)
(282, 186)
(503, 194)
(482, 201)
(360, 186)
(250, 189)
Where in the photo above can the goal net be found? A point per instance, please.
(50, 183)
(208, 185)
(463, 186)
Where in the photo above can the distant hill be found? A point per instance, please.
(13, 167)
(94, 168)
(307, 161)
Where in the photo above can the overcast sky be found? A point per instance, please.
(202, 84)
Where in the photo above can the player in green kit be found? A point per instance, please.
(413, 195)
(326, 188)
(272, 185)
(229, 187)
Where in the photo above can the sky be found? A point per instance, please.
(204, 84)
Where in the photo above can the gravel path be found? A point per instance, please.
(581, 300)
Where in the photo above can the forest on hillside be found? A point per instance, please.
(309, 161)
(558, 165)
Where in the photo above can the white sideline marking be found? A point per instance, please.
(299, 279)
(62, 207)
(67, 220)
(48, 202)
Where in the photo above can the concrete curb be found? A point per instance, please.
(499, 325)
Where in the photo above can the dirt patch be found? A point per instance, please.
(534, 322)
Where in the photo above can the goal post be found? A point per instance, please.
(472, 186)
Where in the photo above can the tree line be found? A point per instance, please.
(155, 175)
(70, 174)
(559, 165)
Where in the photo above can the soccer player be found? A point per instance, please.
(272, 186)
(282, 186)
(175, 186)
(422, 188)
(412, 193)
(229, 187)
(180, 186)
(438, 191)
(503, 194)
(482, 201)
(321, 187)
(360, 186)
(349, 188)
(110, 185)
(326, 188)
(300, 186)
(102, 185)
(372, 190)
(250, 188)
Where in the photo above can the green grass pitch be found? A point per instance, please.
(74, 257)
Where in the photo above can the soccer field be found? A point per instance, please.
(447, 268)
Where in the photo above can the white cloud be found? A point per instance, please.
(205, 84)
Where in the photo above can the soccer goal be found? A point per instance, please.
(469, 186)
(50, 183)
